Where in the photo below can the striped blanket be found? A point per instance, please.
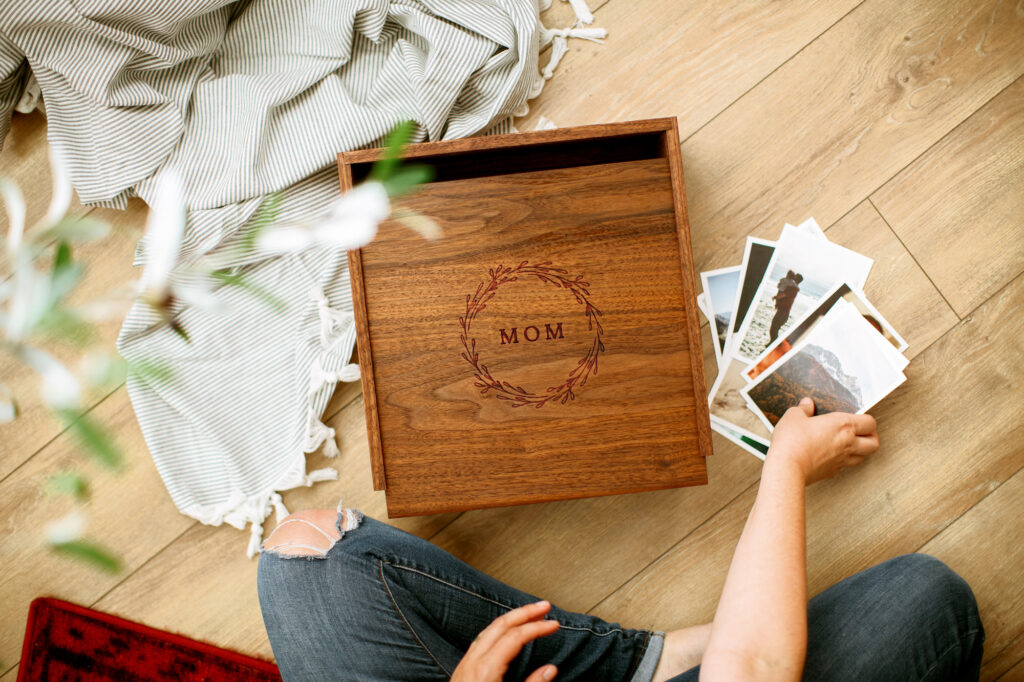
(244, 99)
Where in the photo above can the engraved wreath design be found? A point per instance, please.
(517, 395)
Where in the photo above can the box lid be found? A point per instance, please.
(547, 346)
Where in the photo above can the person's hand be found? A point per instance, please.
(821, 446)
(497, 644)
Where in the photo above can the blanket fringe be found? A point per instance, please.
(558, 39)
(337, 334)
(582, 12)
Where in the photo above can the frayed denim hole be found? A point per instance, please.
(347, 521)
(275, 552)
(280, 549)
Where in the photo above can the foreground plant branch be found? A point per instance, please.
(38, 322)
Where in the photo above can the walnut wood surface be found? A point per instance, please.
(634, 425)
(674, 155)
(363, 349)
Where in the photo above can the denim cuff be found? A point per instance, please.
(645, 671)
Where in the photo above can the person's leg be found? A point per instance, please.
(776, 324)
(380, 604)
(910, 618)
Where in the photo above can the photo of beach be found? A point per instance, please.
(720, 297)
(727, 403)
(803, 270)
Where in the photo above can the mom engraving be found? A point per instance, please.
(506, 389)
(531, 334)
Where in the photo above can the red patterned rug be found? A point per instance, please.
(64, 641)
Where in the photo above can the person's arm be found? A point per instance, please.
(760, 626)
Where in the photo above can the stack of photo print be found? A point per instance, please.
(791, 322)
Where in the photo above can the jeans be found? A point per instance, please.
(386, 605)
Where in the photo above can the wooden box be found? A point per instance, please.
(547, 346)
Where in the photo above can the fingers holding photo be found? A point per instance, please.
(864, 425)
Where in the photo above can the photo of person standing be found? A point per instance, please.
(789, 287)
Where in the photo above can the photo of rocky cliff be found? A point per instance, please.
(814, 372)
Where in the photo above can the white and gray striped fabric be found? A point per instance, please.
(243, 99)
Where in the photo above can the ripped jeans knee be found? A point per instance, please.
(310, 534)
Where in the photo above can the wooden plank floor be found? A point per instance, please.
(898, 124)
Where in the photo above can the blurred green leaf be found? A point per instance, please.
(265, 216)
(94, 438)
(75, 229)
(62, 257)
(393, 147)
(407, 178)
(151, 372)
(89, 552)
(234, 279)
(65, 274)
(70, 483)
(175, 324)
(63, 325)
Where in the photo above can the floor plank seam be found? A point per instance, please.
(999, 653)
(351, 401)
(1009, 670)
(676, 543)
(442, 528)
(772, 72)
(995, 293)
(140, 566)
(59, 434)
(944, 136)
(966, 511)
(912, 256)
(840, 218)
(121, 581)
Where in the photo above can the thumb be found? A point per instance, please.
(543, 673)
(807, 405)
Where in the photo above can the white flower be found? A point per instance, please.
(66, 529)
(8, 406)
(351, 224)
(28, 300)
(59, 388)
(101, 369)
(14, 202)
(165, 228)
(422, 225)
(196, 289)
(61, 199)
